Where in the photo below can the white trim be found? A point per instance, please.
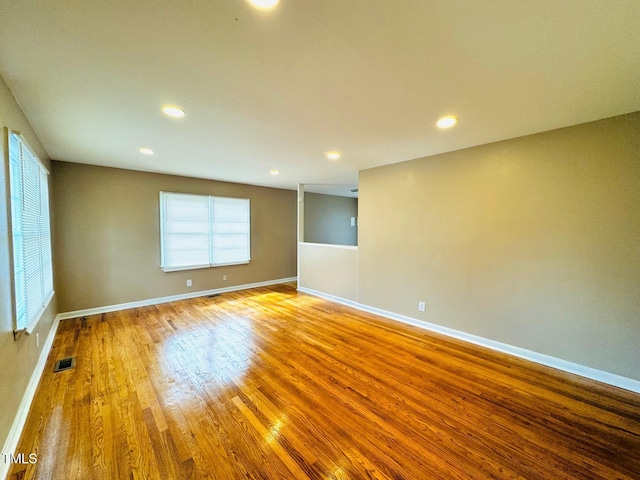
(540, 358)
(11, 443)
(15, 432)
(207, 265)
(330, 245)
(183, 268)
(333, 298)
(171, 298)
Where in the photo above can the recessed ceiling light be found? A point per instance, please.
(173, 111)
(264, 4)
(333, 155)
(146, 151)
(275, 172)
(447, 122)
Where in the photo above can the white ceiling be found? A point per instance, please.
(275, 90)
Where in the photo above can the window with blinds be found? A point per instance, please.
(31, 233)
(199, 231)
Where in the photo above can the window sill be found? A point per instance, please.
(198, 267)
(32, 326)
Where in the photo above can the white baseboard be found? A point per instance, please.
(13, 438)
(171, 298)
(540, 358)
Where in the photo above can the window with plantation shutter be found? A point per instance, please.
(31, 233)
(199, 231)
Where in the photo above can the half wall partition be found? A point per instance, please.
(327, 240)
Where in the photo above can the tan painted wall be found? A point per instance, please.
(329, 269)
(18, 357)
(533, 241)
(327, 219)
(108, 246)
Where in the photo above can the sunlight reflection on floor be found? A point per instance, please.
(219, 355)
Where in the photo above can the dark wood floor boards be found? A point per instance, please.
(269, 383)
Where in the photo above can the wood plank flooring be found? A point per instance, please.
(273, 384)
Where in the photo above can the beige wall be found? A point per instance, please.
(107, 237)
(329, 269)
(327, 219)
(533, 241)
(18, 357)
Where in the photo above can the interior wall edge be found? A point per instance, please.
(591, 373)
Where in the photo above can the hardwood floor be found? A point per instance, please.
(270, 383)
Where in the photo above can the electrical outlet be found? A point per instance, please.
(37, 340)
(421, 306)
(224, 277)
(189, 283)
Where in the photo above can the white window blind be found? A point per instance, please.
(198, 231)
(31, 234)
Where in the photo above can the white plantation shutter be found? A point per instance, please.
(198, 231)
(31, 234)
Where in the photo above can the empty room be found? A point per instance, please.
(274, 239)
